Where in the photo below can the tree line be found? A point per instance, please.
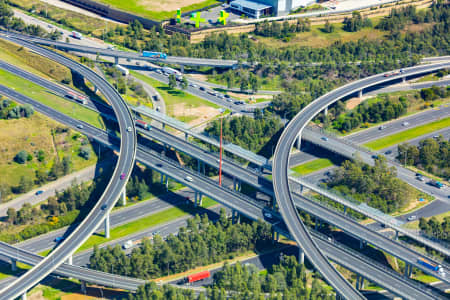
(11, 110)
(431, 155)
(377, 185)
(434, 228)
(201, 242)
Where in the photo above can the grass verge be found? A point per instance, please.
(409, 134)
(312, 166)
(146, 222)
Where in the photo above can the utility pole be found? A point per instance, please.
(220, 161)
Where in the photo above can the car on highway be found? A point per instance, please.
(405, 123)
(58, 239)
(420, 178)
(104, 206)
(324, 138)
(227, 96)
(188, 178)
(388, 152)
(382, 127)
(220, 96)
(128, 244)
(122, 176)
(80, 126)
(129, 129)
(159, 165)
(412, 218)
(39, 192)
(158, 71)
(268, 215)
(193, 85)
(201, 88)
(374, 156)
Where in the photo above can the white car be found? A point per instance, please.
(268, 215)
(129, 128)
(128, 244)
(405, 123)
(412, 218)
(80, 126)
(188, 178)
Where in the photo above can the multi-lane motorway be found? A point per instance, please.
(109, 197)
(246, 206)
(255, 179)
(281, 166)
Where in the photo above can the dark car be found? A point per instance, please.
(375, 156)
(201, 88)
(122, 176)
(59, 239)
(388, 152)
(39, 192)
(104, 206)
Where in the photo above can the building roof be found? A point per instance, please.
(251, 4)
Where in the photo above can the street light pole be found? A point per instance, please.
(220, 161)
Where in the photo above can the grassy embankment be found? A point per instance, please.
(409, 134)
(312, 166)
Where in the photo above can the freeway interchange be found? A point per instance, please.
(230, 198)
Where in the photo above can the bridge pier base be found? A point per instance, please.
(301, 256)
(345, 210)
(198, 199)
(124, 196)
(95, 89)
(70, 260)
(13, 265)
(361, 244)
(163, 126)
(298, 142)
(162, 178)
(116, 60)
(167, 183)
(83, 287)
(236, 184)
(396, 235)
(325, 111)
(408, 270)
(182, 68)
(186, 136)
(107, 226)
(404, 79)
(235, 217)
(360, 93)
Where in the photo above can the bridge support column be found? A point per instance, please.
(70, 260)
(360, 93)
(83, 287)
(235, 217)
(301, 189)
(124, 196)
(358, 277)
(13, 265)
(361, 244)
(361, 285)
(301, 256)
(316, 225)
(396, 235)
(404, 79)
(162, 178)
(167, 183)
(298, 142)
(95, 89)
(186, 136)
(107, 226)
(163, 126)
(408, 272)
(345, 210)
(325, 111)
(116, 60)
(198, 199)
(24, 296)
(182, 68)
(236, 184)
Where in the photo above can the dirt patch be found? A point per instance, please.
(352, 103)
(194, 115)
(39, 295)
(76, 297)
(167, 5)
(201, 77)
(249, 97)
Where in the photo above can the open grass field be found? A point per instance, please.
(40, 94)
(158, 10)
(312, 166)
(408, 134)
(146, 222)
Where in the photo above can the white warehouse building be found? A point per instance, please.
(260, 8)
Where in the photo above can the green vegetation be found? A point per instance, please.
(156, 11)
(378, 186)
(202, 242)
(312, 166)
(42, 95)
(164, 216)
(409, 134)
(431, 155)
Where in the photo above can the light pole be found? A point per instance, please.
(220, 160)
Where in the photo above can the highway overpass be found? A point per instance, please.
(258, 181)
(280, 167)
(107, 200)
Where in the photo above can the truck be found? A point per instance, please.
(153, 54)
(198, 276)
(142, 124)
(170, 71)
(437, 184)
(76, 35)
(79, 98)
(430, 265)
(123, 70)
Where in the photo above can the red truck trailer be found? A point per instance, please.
(198, 276)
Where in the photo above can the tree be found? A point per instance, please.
(329, 28)
(12, 215)
(184, 83)
(66, 165)
(172, 81)
(21, 157)
(85, 152)
(25, 184)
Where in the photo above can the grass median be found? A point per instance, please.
(312, 166)
(164, 216)
(407, 135)
(38, 93)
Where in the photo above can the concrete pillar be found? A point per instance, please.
(360, 93)
(361, 244)
(396, 235)
(358, 277)
(404, 79)
(95, 89)
(116, 60)
(124, 196)
(316, 225)
(107, 226)
(199, 164)
(24, 296)
(167, 183)
(195, 198)
(70, 260)
(301, 189)
(182, 68)
(301, 256)
(235, 218)
(410, 271)
(345, 210)
(234, 183)
(299, 140)
(13, 265)
(361, 284)
(83, 287)
(407, 272)
(162, 178)
(325, 111)
(163, 126)
(186, 136)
